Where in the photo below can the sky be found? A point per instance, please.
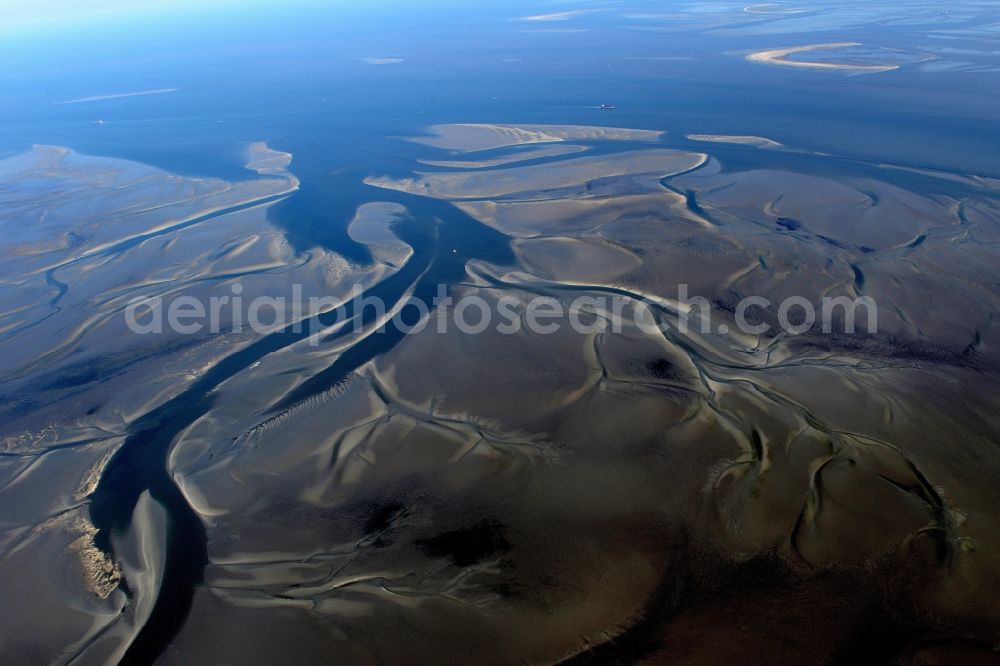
(30, 19)
(21, 12)
(43, 14)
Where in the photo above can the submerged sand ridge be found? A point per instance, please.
(546, 496)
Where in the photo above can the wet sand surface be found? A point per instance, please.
(799, 56)
(584, 496)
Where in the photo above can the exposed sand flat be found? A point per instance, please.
(566, 173)
(780, 57)
(548, 494)
(554, 31)
(49, 263)
(380, 61)
(575, 259)
(266, 161)
(142, 551)
(971, 179)
(557, 16)
(469, 137)
(371, 223)
(88, 234)
(594, 132)
(131, 214)
(772, 8)
(747, 140)
(512, 158)
(578, 215)
(66, 589)
(612, 413)
(652, 16)
(472, 138)
(873, 214)
(101, 98)
(372, 226)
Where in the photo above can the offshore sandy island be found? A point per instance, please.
(473, 137)
(781, 57)
(742, 139)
